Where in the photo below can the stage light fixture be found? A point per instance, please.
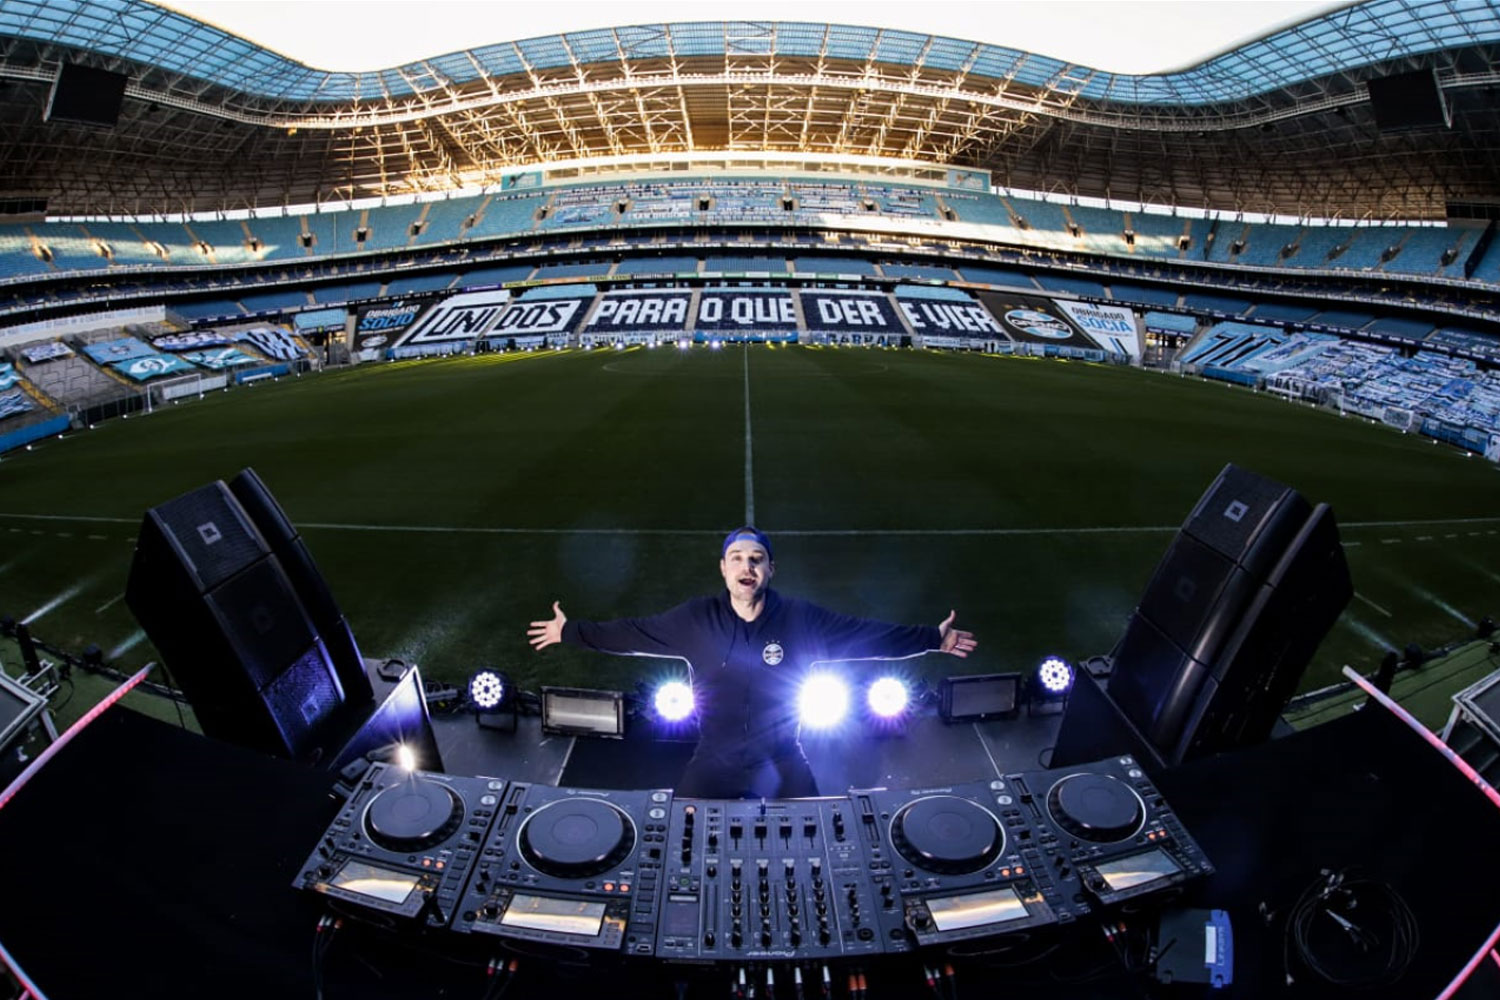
(1050, 685)
(582, 712)
(492, 697)
(1055, 675)
(406, 758)
(673, 701)
(823, 701)
(979, 697)
(488, 690)
(887, 697)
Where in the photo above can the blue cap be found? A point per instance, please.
(749, 533)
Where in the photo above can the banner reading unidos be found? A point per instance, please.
(458, 317)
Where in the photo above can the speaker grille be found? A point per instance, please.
(262, 619)
(210, 533)
(303, 697)
(1234, 511)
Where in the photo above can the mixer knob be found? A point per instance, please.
(760, 831)
(822, 908)
(713, 871)
(708, 939)
(922, 921)
(791, 909)
(713, 838)
(791, 870)
(490, 910)
(765, 939)
(735, 895)
(796, 937)
(736, 938)
(765, 911)
(809, 830)
(736, 910)
(763, 865)
(823, 935)
(786, 829)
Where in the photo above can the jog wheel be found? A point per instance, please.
(413, 815)
(576, 838)
(1096, 807)
(947, 834)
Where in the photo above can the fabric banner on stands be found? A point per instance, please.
(377, 326)
(638, 312)
(850, 312)
(156, 365)
(1031, 319)
(1111, 326)
(459, 317)
(227, 357)
(123, 349)
(272, 342)
(13, 402)
(194, 341)
(540, 316)
(949, 319)
(50, 351)
(736, 309)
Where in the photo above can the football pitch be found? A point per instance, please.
(450, 502)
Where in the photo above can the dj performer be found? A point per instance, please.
(748, 648)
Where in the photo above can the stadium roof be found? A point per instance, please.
(1280, 124)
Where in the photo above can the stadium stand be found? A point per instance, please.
(407, 284)
(728, 264)
(1140, 293)
(1208, 302)
(1348, 319)
(1282, 312)
(346, 293)
(207, 310)
(985, 275)
(925, 272)
(494, 275)
(292, 298)
(657, 265)
(279, 238)
(590, 269)
(1170, 322)
(17, 258)
(74, 381)
(1399, 326)
(1071, 285)
(506, 214)
(832, 265)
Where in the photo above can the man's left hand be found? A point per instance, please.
(956, 642)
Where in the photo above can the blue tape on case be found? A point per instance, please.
(1218, 949)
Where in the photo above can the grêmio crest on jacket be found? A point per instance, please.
(772, 654)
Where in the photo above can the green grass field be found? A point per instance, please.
(449, 502)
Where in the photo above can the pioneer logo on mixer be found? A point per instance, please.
(772, 654)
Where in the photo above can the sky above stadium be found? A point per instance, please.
(1121, 36)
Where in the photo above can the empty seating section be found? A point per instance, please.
(445, 220)
(494, 275)
(1364, 247)
(832, 265)
(1400, 327)
(1158, 235)
(1422, 253)
(1101, 230)
(226, 238)
(16, 256)
(919, 271)
(347, 293)
(657, 265)
(73, 251)
(977, 209)
(129, 246)
(1264, 246)
(910, 202)
(73, 380)
(389, 226)
(207, 310)
(507, 214)
(986, 275)
(1317, 242)
(1208, 302)
(331, 233)
(278, 237)
(418, 283)
(727, 263)
(1282, 312)
(590, 269)
(274, 300)
(1141, 293)
(1345, 318)
(1070, 285)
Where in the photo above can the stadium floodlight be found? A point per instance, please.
(1051, 684)
(823, 701)
(887, 697)
(491, 695)
(673, 701)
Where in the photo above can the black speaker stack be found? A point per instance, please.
(229, 595)
(1233, 613)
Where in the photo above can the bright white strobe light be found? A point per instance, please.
(887, 697)
(1055, 674)
(674, 701)
(405, 758)
(486, 689)
(823, 701)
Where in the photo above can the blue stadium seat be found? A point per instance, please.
(279, 300)
(1071, 285)
(657, 265)
(418, 283)
(497, 275)
(206, 310)
(921, 271)
(1141, 293)
(1208, 302)
(346, 293)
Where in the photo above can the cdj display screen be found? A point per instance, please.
(954, 913)
(367, 880)
(1127, 873)
(564, 916)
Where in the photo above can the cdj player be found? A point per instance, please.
(403, 843)
(642, 873)
(571, 867)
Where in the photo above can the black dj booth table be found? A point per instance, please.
(147, 859)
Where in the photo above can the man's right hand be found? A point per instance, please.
(545, 633)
